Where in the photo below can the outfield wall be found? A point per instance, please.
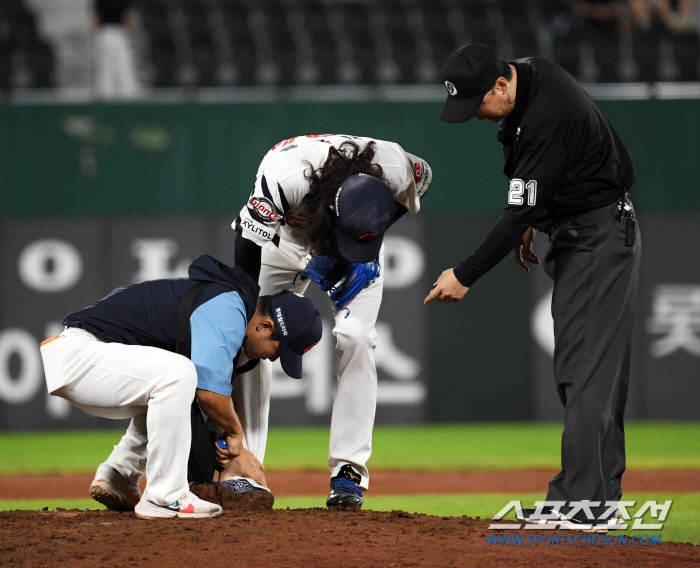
(96, 196)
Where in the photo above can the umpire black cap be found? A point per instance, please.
(365, 208)
(469, 73)
(299, 326)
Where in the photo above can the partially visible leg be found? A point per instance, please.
(129, 456)
(126, 380)
(116, 483)
(355, 402)
(251, 391)
(124, 68)
(251, 398)
(104, 65)
(595, 286)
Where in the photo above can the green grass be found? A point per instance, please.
(650, 445)
(38, 504)
(682, 524)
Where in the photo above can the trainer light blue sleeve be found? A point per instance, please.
(217, 328)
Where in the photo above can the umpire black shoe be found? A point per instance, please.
(345, 489)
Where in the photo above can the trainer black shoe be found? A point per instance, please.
(345, 488)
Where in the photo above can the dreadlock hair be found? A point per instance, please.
(342, 162)
(265, 309)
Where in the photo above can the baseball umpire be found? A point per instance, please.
(318, 211)
(119, 358)
(570, 176)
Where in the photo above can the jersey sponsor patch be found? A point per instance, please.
(264, 210)
(252, 227)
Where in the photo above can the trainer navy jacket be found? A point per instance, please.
(146, 314)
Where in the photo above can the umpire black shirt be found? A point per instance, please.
(562, 158)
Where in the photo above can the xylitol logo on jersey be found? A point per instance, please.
(280, 321)
(264, 210)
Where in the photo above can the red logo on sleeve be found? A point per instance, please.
(264, 210)
(417, 172)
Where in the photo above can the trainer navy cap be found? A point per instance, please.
(365, 209)
(299, 326)
(469, 74)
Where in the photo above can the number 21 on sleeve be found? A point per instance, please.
(518, 187)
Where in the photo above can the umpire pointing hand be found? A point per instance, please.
(569, 177)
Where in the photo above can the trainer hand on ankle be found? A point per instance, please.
(246, 465)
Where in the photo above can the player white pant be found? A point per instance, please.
(115, 73)
(153, 387)
(356, 394)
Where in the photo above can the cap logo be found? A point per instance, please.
(280, 321)
(337, 197)
(368, 236)
(451, 89)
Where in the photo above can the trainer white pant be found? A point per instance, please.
(115, 72)
(153, 387)
(355, 400)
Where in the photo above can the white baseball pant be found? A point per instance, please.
(355, 400)
(115, 72)
(153, 387)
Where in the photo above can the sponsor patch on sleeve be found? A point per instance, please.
(264, 210)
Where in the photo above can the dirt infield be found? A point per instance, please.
(302, 537)
(290, 483)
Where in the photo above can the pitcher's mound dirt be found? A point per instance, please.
(301, 537)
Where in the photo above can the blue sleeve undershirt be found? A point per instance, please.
(217, 328)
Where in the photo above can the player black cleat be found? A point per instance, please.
(345, 489)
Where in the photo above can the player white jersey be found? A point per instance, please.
(275, 214)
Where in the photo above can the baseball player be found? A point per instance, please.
(318, 212)
(117, 358)
(569, 176)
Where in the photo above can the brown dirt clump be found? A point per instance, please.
(230, 501)
(301, 537)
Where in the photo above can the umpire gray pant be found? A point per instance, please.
(595, 268)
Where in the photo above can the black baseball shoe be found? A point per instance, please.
(345, 489)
